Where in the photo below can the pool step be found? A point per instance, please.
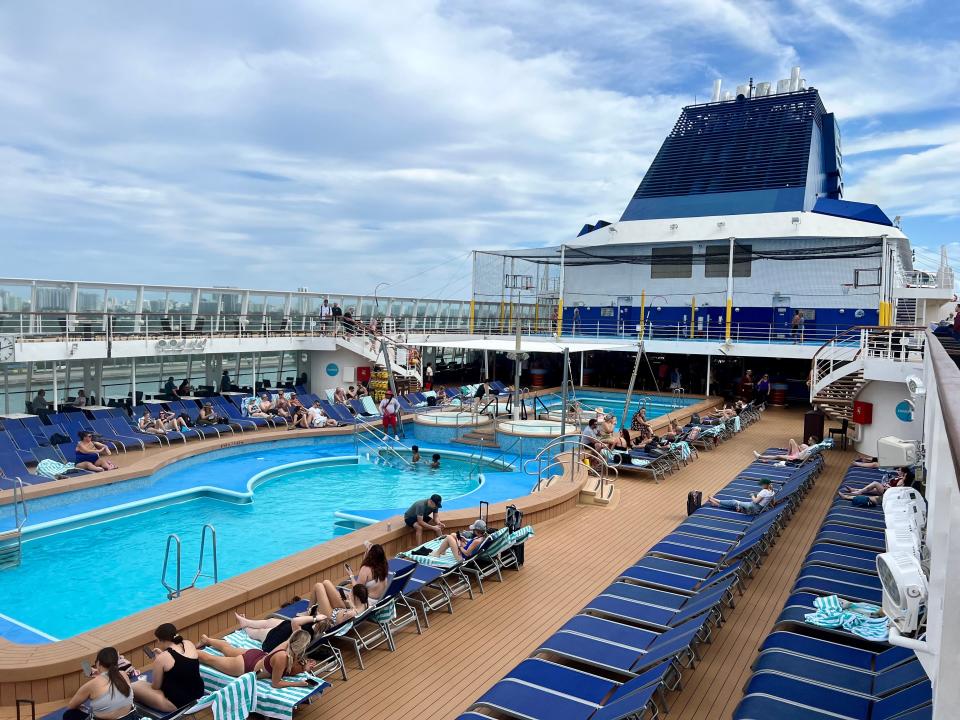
(478, 438)
(9, 549)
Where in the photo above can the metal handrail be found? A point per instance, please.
(19, 502)
(376, 440)
(172, 592)
(203, 542)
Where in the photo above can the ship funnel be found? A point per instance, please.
(716, 90)
(795, 78)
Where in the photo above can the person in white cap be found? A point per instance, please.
(466, 545)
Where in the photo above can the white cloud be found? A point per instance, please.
(339, 135)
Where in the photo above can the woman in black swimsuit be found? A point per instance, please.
(273, 633)
(176, 673)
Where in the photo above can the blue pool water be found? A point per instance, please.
(106, 567)
(613, 403)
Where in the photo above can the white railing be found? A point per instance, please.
(844, 354)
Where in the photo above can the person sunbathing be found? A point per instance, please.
(276, 665)
(674, 432)
(266, 406)
(176, 673)
(794, 453)
(756, 504)
(171, 422)
(463, 548)
(317, 418)
(865, 461)
(339, 396)
(339, 607)
(374, 571)
(275, 633)
(149, 424)
(620, 441)
(902, 478)
(282, 406)
(607, 430)
(90, 455)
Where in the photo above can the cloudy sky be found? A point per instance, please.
(334, 145)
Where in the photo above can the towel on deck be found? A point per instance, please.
(234, 700)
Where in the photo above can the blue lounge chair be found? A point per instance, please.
(787, 692)
(224, 409)
(339, 413)
(804, 645)
(538, 689)
(193, 412)
(864, 682)
(361, 411)
(630, 610)
(126, 441)
(676, 643)
(24, 440)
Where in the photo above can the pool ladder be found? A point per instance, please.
(174, 591)
(11, 545)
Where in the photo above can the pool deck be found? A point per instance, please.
(464, 653)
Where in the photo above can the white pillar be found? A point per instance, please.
(563, 253)
(72, 307)
(6, 390)
(133, 381)
(582, 354)
(708, 375)
(56, 388)
(138, 310)
(194, 308)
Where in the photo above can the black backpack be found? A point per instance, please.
(694, 501)
(695, 419)
(514, 518)
(513, 522)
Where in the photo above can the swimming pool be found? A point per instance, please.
(613, 403)
(84, 569)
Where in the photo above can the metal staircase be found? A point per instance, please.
(906, 312)
(11, 542)
(844, 365)
(372, 345)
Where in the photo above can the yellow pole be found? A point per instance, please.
(643, 301)
(536, 316)
(693, 314)
(560, 317)
(472, 311)
(729, 316)
(501, 315)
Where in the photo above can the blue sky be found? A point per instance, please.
(334, 145)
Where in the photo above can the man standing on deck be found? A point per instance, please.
(419, 514)
(326, 312)
(389, 410)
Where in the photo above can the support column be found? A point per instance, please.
(563, 252)
(138, 310)
(582, 354)
(563, 393)
(72, 307)
(133, 381)
(56, 388)
(729, 292)
(194, 308)
(708, 376)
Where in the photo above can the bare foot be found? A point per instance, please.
(241, 619)
(204, 642)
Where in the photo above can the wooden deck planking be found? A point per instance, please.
(569, 561)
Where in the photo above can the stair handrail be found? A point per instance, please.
(377, 440)
(203, 543)
(172, 591)
(19, 503)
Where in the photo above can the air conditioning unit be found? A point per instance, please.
(903, 538)
(783, 86)
(904, 589)
(894, 452)
(906, 497)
